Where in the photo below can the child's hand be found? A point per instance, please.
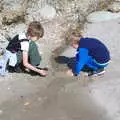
(43, 72)
(70, 73)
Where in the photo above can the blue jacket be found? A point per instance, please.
(90, 47)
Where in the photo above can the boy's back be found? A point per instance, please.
(18, 43)
(96, 49)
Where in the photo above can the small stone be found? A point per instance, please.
(8, 88)
(26, 104)
(39, 99)
(48, 12)
(1, 112)
(21, 97)
(115, 7)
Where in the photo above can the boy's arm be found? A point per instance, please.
(29, 66)
(82, 58)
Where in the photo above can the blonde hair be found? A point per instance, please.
(75, 38)
(35, 29)
(75, 42)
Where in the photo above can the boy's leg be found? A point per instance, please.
(97, 69)
(91, 64)
(19, 57)
(71, 62)
(34, 56)
(18, 67)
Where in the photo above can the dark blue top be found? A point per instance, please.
(90, 47)
(96, 49)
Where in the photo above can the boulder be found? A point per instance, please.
(115, 7)
(101, 16)
(13, 11)
(33, 10)
(117, 0)
(11, 16)
(47, 12)
(14, 29)
(13, 4)
(3, 42)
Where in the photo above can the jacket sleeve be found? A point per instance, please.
(81, 60)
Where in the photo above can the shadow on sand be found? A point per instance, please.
(70, 62)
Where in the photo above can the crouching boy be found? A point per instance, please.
(24, 48)
(92, 54)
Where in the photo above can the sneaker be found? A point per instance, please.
(98, 72)
(10, 69)
(16, 69)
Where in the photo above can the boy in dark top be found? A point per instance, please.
(91, 53)
(23, 49)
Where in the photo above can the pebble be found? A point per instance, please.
(26, 104)
(1, 112)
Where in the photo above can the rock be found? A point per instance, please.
(100, 16)
(14, 5)
(26, 103)
(117, 0)
(48, 12)
(0, 20)
(33, 10)
(3, 41)
(115, 7)
(1, 112)
(14, 29)
(40, 10)
(13, 11)
(9, 17)
(77, 10)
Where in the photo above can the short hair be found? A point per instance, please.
(35, 29)
(75, 41)
(75, 38)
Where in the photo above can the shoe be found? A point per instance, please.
(98, 72)
(16, 69)
(10, 69)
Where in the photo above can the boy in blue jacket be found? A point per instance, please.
(91, 53)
